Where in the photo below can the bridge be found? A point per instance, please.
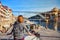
(39, 13)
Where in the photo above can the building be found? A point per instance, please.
(6, 16)
(51, 19)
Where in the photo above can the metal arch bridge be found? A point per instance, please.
(39, 13)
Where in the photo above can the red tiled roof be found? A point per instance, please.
(5, 7)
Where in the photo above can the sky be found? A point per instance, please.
(31, 5)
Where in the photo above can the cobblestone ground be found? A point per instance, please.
(46, 34)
